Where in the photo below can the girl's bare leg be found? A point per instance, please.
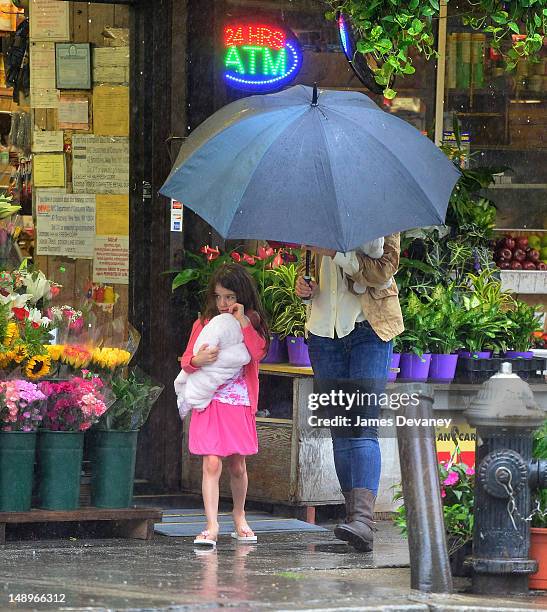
(239, 482)
(212, 469)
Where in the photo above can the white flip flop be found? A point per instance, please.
(249, 539)
(205, 541)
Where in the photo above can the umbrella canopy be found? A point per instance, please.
(332, 170)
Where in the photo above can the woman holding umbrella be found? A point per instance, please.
(354, 316)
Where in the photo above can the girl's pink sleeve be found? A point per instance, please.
(189, 352)
(254, 342)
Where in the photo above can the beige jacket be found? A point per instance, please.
(380, 306)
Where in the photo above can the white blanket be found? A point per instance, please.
(196, 390)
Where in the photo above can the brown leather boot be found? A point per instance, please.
(359, 532)
(349, 516)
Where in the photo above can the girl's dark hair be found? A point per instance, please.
(234, 277)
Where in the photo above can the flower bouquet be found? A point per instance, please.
(22, 405)
(20, 417)
(73, 405)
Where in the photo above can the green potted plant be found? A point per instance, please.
(457, 493)
(525, 323)
(415, 355)
(446, 319)
(114, 439)
(538, 533)
(288, 313)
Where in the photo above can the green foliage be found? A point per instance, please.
(525, 323)
(457, 492)
(135, 396)
(418, 318)
(288, 311)
(447, 319)
(539, 451)
(388, 30)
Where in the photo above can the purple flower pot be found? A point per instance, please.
(277, 353)
(518, 354)
(443, 367)
(476, 354)
(414, 367)
(395, 359)
(298, 352)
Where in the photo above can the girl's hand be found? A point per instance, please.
(238, 310)
(205, 356)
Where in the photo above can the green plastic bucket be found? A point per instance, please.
(60, 467)
(17, 453)
(113, 455)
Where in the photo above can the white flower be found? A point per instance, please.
(15, 300)
(35, 316)
(38, 285)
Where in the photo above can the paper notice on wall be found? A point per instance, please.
(111, 110)
(112, 215)
(44, 98)
(49, 20)
(65, 225)
(100, 164)
(44, 142)
(73, 113)
(111, 65)
(49, 170)
(111, 260)
(42, 65)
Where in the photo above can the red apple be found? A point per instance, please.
(505, 265)
(521, 243)
(528, 265)
(532, 255)
(541, 266)
(519, 255)
(516, 265)
(509, 243)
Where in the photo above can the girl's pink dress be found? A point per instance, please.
(228, 426)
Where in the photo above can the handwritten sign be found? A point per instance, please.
(100, 164)
(111, 260)
(65, 225)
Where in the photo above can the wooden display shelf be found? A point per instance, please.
(137, 523)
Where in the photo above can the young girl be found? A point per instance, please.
(226, 429)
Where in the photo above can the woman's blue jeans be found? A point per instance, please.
(363, 357)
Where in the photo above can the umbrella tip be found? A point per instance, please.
(315, 95)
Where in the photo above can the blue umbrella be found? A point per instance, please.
(331, 170)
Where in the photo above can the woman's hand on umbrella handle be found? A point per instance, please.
(320, 251)
(305, 289)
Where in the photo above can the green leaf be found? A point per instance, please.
(184, 277)
(330, 15)
(513, 26)
(435, 4)
(389, 93)
(365, 47)
(427, 11)
(413, 4)
(500, 17)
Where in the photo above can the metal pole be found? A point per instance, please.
(429, 564)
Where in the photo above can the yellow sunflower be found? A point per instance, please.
(5, 359)
(12, 333)
(38, 366)
(18, 353)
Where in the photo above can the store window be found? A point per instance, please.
(505, 117)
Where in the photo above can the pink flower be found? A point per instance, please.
(235, 256)
(451, 479)
(443, 492)
(470, 471)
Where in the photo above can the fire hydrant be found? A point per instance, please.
(505, 415)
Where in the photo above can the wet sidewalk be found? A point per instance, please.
(284, 571)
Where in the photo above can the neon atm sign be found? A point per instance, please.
(260, 57)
